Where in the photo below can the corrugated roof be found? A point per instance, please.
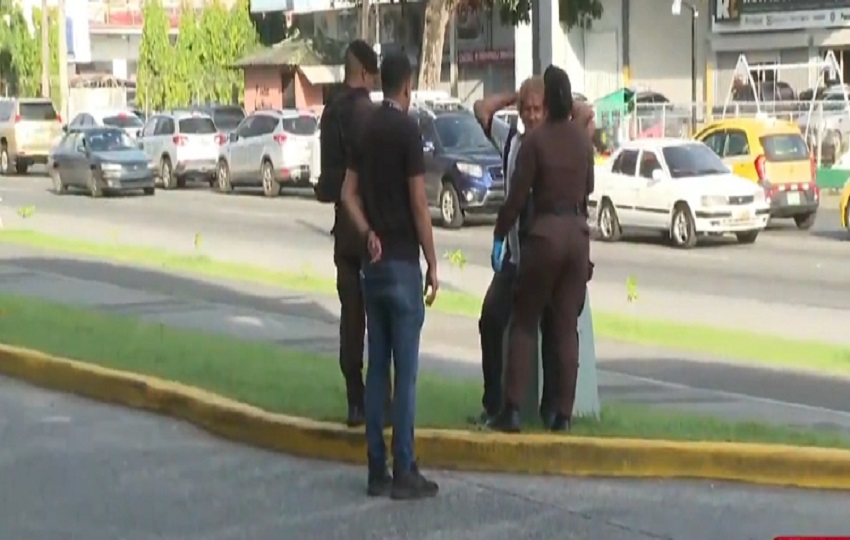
(297, 51)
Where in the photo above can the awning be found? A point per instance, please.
(322, 74)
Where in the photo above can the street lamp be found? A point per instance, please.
(677, 10)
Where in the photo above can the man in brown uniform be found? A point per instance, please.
(554, 169)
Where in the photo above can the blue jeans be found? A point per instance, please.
(395, 311)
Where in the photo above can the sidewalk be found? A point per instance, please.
(449, 345)
(262, 249)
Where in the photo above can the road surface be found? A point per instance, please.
(76, 470)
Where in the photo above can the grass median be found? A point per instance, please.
(723, 343)
(309, 385)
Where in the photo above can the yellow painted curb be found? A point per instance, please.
(445, 449)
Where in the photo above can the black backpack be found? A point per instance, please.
(334, 146)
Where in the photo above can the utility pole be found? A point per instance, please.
(365, 10)
(45, 50)
(453, 75)
(63, 59)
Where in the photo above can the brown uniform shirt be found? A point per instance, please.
(555, 168)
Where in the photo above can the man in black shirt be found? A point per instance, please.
(384, 193)
(341, 125)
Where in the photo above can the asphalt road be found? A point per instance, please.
(73, 469)
(794, 267)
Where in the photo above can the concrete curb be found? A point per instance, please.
(445, 449)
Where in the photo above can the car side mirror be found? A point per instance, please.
(658, 175)
(233, 137)
(428, 146)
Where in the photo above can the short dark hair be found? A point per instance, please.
(558, 93)
(360, 54)
(395, 72)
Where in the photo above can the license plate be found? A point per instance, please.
(793, 197)
(745, 215)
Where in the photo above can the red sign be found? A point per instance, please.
(129, 18)
(485, 57)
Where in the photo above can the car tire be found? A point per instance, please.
(59, 187)
(747, 237)
(166, 173)
(21, 168)
(149, 191)
(608, 224)
(451, 214)
(94, 189)
(5, 161)
(805, 222)
(271, 187)
(222, 175)
(683, 230)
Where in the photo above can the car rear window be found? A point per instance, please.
(122, 121)
(226, 119)
(197, 125)
(37, 111)
(790, 147)
(300, 125)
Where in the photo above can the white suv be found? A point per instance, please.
(181, 147)
(268, 148)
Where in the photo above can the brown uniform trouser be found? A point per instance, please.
(554, 271)
(352, 312)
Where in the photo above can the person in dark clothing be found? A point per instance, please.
(384, 193)
(341, 125)
(496, 307)
(554, 170)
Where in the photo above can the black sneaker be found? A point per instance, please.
(356, 416)
(380, 484)
(411, 485)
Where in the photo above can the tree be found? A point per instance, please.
(243, 39)
(188, 69)
(214, 36)
(20, 54)
(155, 73)
(438, 13)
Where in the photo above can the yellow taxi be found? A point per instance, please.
(772, 153)
(844, 206)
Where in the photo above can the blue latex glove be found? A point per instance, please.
(497, 256)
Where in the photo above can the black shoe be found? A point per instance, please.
(480, 420)
(380, 484)
(356, 417)
(547, 417)
(507, 420)
(411, 485)
(560, 423)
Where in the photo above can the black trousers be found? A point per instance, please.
(495, 315)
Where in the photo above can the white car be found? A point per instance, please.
(124, 119)
(678, 187)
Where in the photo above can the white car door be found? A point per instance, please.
(147, 141)
(238, 149)
(622, 187)
(654, 192)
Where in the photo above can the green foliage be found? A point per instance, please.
(188, 70)
(26, 212)
(214, 54)
(456, 258)
(20, 51)
(572, 11)
(156, 74)
(631, 289)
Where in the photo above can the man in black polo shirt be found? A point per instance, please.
(384, 193)
(341, 124)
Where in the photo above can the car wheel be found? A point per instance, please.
(271, 187)
(5, 162)
(21, 168)
(59, 186)
(608, 223)
(166, 173)
(222, 175)
(94, 188)
(805, 221)
(451, 213)
(683, 230)
(149, 191)
(747, 237)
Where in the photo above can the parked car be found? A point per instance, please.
(124, 119)
(678, 187)
(269, 148)
(463, 170)
(226, 117)
(182, 146)
(28, 129)
(773, 154)
(100, 160)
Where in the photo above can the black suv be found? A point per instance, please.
(463, 170)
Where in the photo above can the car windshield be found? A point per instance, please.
(461, 132)
(123, 120)
(690, 160)
(197, 125)
(109, 141)
(300, 125)
(227, 118)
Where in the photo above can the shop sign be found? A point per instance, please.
(484, 57)
(769, 15)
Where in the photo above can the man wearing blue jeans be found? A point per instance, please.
(384, 193)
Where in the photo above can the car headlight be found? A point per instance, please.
(470, 169)
(110, 167)
(714, 200)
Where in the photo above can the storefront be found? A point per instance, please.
(772, 34)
